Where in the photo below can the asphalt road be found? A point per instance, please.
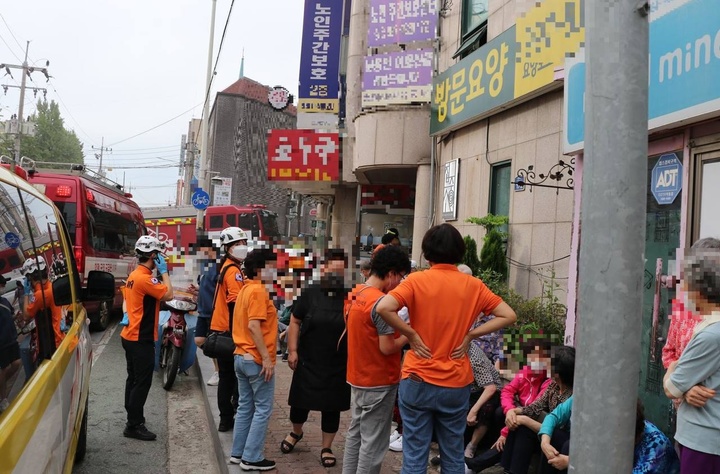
(183, 443)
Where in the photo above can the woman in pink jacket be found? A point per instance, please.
(525, 388)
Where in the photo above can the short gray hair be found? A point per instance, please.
(701, 272)
(706, 243)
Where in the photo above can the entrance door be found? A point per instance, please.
(662, 238)
(706, 196)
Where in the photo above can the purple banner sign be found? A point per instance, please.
(401, 21)
(397, 78)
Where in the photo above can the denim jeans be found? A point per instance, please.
(425, 407)
(254, 410)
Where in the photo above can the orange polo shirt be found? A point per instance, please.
(253, 303)
(42, 298)
(443, 303)
(227, 292)
(142, 303)
(366, 366)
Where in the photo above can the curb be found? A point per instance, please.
(219, 454)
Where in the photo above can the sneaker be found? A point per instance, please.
(394, 435)
(396, 446)
(234, 460)
(214, 379)
(470, 450)
(435, 460)
(264, 465)
(468, 470)
(225, 425)
(139, 432)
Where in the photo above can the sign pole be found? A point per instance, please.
(614, 195)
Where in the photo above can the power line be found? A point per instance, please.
(10, 49)
(150, 148)
(11, 33)
(217, 58)
(62, 102)
(156, 126)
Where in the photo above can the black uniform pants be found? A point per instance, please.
(140, 358)
(227, 391)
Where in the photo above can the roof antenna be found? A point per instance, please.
(242, 65)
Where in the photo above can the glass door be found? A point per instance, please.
(706, 196)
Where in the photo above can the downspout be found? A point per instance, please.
(433, 139)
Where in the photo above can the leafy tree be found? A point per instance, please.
(492, 255)
(471, 255)
(52, 141)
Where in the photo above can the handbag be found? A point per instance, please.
(219, 345)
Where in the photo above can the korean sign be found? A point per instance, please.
(320, 57)
(450, 190)
(479, 83)
(683, 74)
(397, 78)
(401, 21)
(222, 192)
(303, 155)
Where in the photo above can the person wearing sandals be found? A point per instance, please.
(317, 354)
(373, 369)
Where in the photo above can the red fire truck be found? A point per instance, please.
(103, 223)
(176, 226)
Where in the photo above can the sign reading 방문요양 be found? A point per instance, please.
(320, 57)
(397, 78)
(666, 182)
(482, 81)
(401, 21)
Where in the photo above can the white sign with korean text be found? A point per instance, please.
(450, 190)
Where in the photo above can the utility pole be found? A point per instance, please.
(26, 71)
(189, 167)
(102, 150)
(614, 188)
(204, 153)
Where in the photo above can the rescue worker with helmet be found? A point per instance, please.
(231, 279)
(143, 294)
(39, 297)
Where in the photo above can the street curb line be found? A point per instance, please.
(219, 454)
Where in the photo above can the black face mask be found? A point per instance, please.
(332, 281)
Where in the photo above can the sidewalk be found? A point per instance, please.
(305, 458)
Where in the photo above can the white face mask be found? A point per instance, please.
(538, 366)
(689, 304)
(239, 251)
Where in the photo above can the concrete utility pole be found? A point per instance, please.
(613, 237)
(101, 150)
(204, 158)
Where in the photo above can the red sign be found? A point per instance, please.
(303, 155)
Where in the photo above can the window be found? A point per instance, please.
(69, 214)
(269, 223)
(216, 222)
(500, 189)
(473, 27)
(230, 218)
(110, 232)
(247, 221)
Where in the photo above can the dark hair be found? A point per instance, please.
(639, 421)
(529, 344)
(389, 259)
(443, 244)
(387, 238)
(256, 260)
(144, 257)
(336, 254)
(563, 364)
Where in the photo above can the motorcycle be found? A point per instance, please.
(175, 340)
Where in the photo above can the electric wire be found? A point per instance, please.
(11, 50)
(155, 127)
(11, 32)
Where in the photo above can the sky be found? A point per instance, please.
(122, 67)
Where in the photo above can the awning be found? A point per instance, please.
(473, 41)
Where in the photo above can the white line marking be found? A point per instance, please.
(100, 346)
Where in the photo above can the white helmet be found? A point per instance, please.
(232, 234)
(32, 265)
(148, 244)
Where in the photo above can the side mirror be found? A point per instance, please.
(100, 286)
(62, 295)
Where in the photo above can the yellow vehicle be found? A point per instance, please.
(43, 424)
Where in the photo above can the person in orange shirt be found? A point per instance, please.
(39, 297)
(255, 334)
(373, 366)
(230, 282)
(436, 375)
(143, 294)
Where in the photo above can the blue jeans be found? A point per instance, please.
(253, 412)
(425, 407)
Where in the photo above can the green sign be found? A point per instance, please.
(482, 81)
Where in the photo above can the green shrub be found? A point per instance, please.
(471, 255)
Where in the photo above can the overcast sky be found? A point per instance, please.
(121, 67)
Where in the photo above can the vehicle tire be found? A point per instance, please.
(82, 437)
(100, 320)
(172, 363)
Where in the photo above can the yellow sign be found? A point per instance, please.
(545, 35)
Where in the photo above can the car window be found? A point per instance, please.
(110, 232)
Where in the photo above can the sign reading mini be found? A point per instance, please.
(320, 57)
(303, 155)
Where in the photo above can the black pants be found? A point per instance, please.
(227, 391)
(561, 441)
(140, 358)
(329, 421)
(520, 447)
(489, 457)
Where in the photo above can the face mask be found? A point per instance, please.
(332, 281)
(239, 251)
(538, 366)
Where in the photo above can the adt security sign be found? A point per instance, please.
(200, 200)
(667, 179)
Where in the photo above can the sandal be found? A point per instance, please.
(286, 446)
(327, 461)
